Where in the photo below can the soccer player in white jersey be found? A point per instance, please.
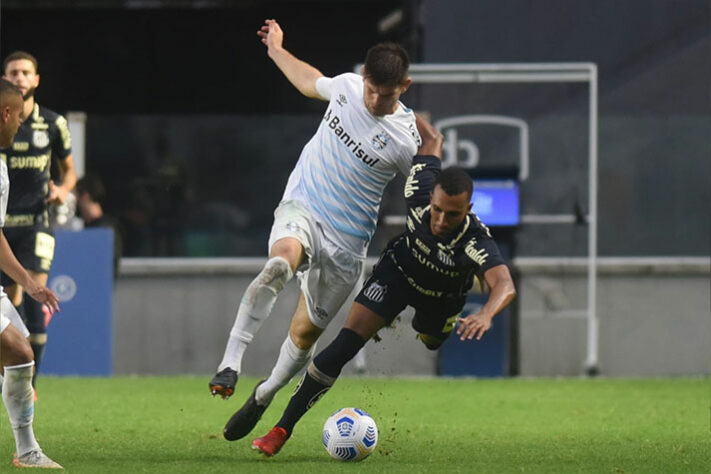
(328, 212)
(16, 357)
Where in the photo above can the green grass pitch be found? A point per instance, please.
(432, 425)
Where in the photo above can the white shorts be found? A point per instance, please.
(330, 274)
(8, 315)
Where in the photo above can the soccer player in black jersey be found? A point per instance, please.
(430, 267)
(42, 137)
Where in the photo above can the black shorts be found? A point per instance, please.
(387, 293)
(33, 246)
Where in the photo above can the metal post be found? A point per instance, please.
(591, 364)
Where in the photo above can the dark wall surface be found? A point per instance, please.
(654, 63)
(121, 60)
(195, 130)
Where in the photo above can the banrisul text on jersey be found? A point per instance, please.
(334, 122)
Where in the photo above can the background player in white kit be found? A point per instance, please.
(328, 212)
(16, 355)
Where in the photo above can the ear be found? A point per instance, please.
(362, 71)
(37, 78)
(406, 83)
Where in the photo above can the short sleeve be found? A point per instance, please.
(4, 192)
(324, 86)
(62, 142)
(412, 142)
(484, 252)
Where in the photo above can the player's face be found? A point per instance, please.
(447, 212)
(382, 100)
(11, 116)
(22, 73)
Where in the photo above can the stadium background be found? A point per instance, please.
(195, 131)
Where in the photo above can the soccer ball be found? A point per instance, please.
(350, 434)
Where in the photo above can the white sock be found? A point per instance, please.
(256, 305)
(20, 405)
(291, 360)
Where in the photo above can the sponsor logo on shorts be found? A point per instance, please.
(376, 292)
(320, 313)
(380, 141)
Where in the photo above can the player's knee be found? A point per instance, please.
(273, 278)
(302, 341)
(275, 274)
(304, 336)
(24, 354)
(16, 349)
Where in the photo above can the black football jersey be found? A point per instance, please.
(43, 136)
(437, 266)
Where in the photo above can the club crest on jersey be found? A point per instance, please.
(445, 258)
(293, 226)
(376, 292)
(380, 141)
(40, 138)
(341, 100)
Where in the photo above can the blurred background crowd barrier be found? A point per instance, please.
(194, 132)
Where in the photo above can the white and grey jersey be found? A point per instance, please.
(343, 170)
(4, 193)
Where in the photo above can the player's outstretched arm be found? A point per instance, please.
(432, 139)
(502, 293)
(301, 74)
(10, 265)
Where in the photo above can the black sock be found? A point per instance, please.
(305, 396)
(38, 350)
(320, 376)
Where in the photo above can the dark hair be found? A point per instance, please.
(7, 87)
(454, 180)
(386, 64)
(91, 184)
(20, 55)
